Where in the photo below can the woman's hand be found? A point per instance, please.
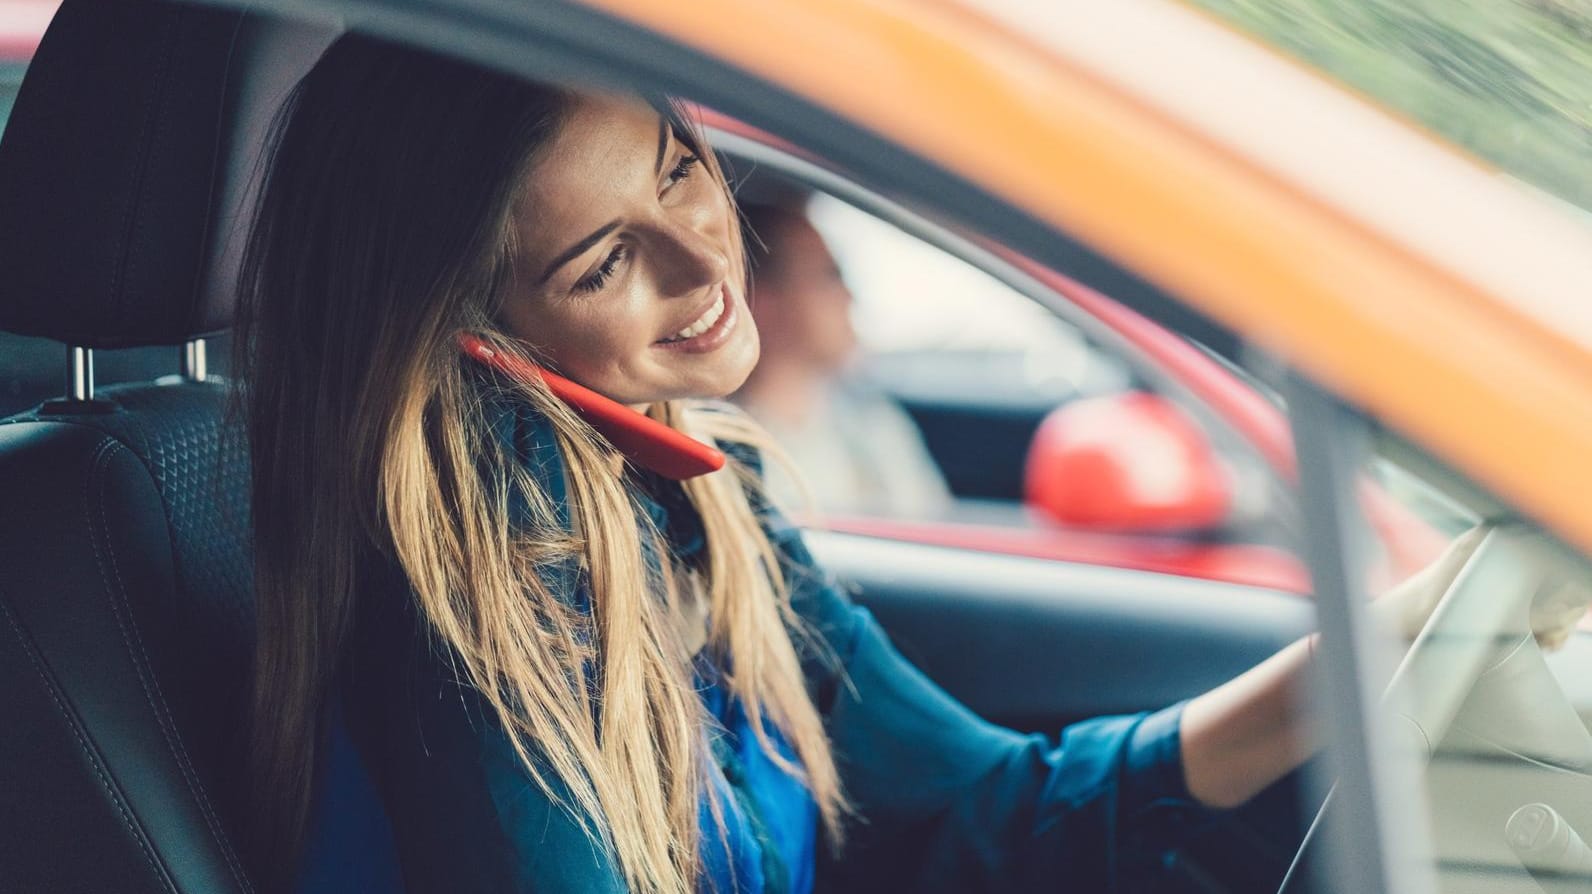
(1405, 609)
(1557, 609)
(1557, 606)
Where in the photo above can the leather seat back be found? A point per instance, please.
(121, 702)
(125, 578)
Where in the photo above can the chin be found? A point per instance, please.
(719, 389)
(733, 383)
(736, 370)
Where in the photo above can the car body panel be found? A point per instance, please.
(1249, 565)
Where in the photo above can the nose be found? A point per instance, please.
(692, 254)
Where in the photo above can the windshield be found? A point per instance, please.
(1494, 695)
(1508, 80)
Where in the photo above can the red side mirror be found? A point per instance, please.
(1128, 462)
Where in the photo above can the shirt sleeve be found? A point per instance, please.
(949, 802)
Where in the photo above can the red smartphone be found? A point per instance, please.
(644, 440)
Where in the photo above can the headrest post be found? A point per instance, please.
(79, 373)
(193, 360)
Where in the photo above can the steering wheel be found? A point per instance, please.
(1481, 621)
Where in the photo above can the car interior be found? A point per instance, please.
(126, 169)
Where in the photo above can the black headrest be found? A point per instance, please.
(125, 168)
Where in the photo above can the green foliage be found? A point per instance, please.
(1508, 80)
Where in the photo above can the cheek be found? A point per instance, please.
(566, 332)
(601, 341)
(589, 343)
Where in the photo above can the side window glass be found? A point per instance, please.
(909, 386)
(903, 382)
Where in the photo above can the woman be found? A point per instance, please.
(562, 672)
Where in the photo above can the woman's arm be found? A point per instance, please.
(948, 802)
(1247, 733)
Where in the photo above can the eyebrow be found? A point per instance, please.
(580, 247)
(577, 249)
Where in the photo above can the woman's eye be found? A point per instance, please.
(682, 170)
(599, 277)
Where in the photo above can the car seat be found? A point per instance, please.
(125, 579)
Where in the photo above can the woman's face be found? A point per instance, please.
(623, 277)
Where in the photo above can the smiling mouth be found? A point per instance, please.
(702, 323)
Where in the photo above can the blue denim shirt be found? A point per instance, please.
(944, 800)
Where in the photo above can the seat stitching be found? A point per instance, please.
(72, 723)
(152, 695)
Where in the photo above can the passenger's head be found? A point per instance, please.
(407, 199)
(798, 297)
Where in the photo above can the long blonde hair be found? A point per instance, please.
(383, 231)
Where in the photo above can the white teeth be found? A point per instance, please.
(704, 322)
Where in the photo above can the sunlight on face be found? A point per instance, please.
(625, 276)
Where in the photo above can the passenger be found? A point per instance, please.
(855, 448)
(563, 671)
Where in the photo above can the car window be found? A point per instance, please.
(1500, 723)
(1427, 503)
(965, 400)
(903, 381)
(21, 23)
(974, 364)
(1492, 701)
(1509, 81)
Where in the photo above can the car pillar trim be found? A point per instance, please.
(1381, 837)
